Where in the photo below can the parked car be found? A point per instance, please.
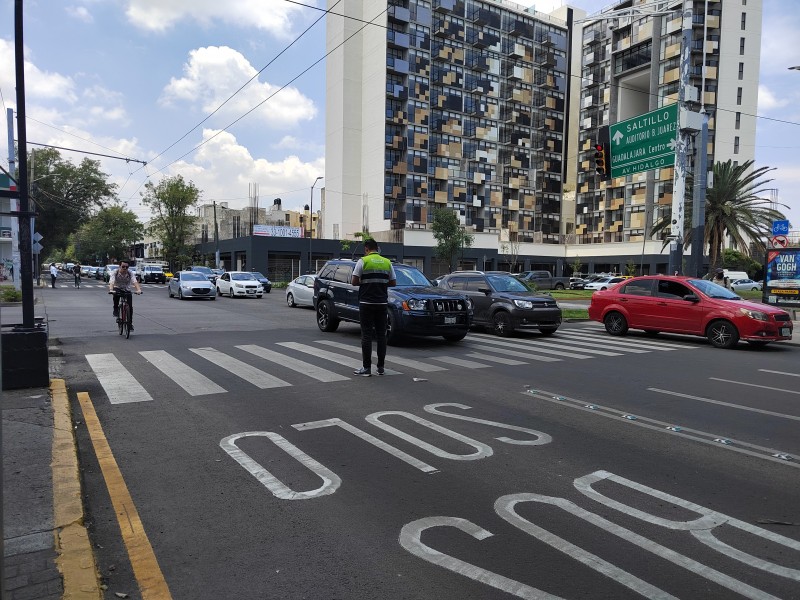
(134, 270)
(543, 280)
(691, 306)
(85, 270)
(239, 283)
(503, 303)
(603, 283)
(415, 307)
(98, 273)
(212, 277)
(742, 285)
(188, 284)
(153, 274)
(300, 291)
(576, 283)
(264, 281)
(167, 273)
(108, 271)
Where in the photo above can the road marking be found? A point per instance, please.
(120, 386)
(193, 382)
(294, 364)
(720, 403)
(573, 341)
(460, 362)
(406, 362)
(548, 344)
(528, 355)
(257, 377)
(649, 341)
(515, 346)
(631, 343)
(497, 359)
(331, 356)
(152, 584)
(763, 387)
(780, 373)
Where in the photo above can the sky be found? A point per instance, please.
(228, 94)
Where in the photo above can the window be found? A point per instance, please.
(738, 96)
(741, 71)
(744, 21)
(741, 46)
(738, 120)
(736, 145)
(457, 283)
(638, 288)
(672, 289)
(343, 274)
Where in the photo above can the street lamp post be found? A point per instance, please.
(311, 222)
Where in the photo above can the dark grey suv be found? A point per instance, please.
(503, 303)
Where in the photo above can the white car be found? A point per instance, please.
(745, 285)
(300, 291)
(603, 283)
(239, 283)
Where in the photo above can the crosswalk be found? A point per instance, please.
(207, 371)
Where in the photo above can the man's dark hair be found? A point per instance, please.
(370, 244)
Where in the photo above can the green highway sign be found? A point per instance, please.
(644, 142)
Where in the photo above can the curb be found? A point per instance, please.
(75, 558)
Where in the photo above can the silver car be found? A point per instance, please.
(300, 291)
(191, 284)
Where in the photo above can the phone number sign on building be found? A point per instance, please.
(644, 142)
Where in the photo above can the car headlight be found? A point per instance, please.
(470, 305)
(523, 304)
(237, 285)
(414, 304)
(754, 314)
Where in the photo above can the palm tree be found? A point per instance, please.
(733, 208)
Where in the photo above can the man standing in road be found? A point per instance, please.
(53, 274)
(373, 275)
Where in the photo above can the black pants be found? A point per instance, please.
(372, 316)
(129, 298)
(53, 279)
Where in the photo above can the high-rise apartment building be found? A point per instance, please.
(631, 65)
(446, 103)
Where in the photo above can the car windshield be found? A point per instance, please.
(203, 270)
(506, 283)
(242, 276)
(193, 277)
(713, 290)
(408, 277)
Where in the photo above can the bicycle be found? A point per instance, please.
(125, 318)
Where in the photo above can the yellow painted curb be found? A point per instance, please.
(75, 557)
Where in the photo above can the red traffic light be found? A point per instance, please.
(601, 161)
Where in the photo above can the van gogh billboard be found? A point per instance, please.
(782, 281)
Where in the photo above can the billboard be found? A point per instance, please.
(782, 278)
(277, 231)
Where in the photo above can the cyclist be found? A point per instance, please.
(123, 279)
(76, 271)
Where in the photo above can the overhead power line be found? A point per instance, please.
(126, 159)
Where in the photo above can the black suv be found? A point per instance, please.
(503, 303)
(415, 306)
(153, 274)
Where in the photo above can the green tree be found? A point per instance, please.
(736, 261)
(172, 201)
(348, 245)
(630, 268)
(65, 194)
(577, 267)
(451, 238)
(108, 234)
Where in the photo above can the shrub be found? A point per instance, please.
(8, 293)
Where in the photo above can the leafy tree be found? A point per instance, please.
(630, 268)
(577, 267)
(736, 261)
(65, 194)
(109, 234)
(347, 245)
(510, 250)
(172, 201)
(450, 236)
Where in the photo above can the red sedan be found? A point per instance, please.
(687, 305)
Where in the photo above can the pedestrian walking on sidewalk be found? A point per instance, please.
(53, 274)
(373, 275)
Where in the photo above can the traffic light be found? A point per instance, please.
(601, 156)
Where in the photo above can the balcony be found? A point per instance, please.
(399, 13)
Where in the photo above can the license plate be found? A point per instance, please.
(450, 320)
(785, 332)
(251, 291)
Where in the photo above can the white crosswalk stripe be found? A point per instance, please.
(506, 352)
(600, 334)
(532, 351)
(120, 386)
(331, 356)
(192, 381)
(545, 344)
(496, 359)
(397, 360)
(294, 364)
(574, 341)
(460, 362)
(249, 373)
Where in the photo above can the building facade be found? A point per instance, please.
(630, 66)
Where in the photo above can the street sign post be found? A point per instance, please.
(779, 241)
(780, 227)
(644, 142)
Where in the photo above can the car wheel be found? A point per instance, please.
(268, 291)
(602, 289)
(755, 289)
(548, 330)
(180, 294)
(559, 286)
(392, 331)
(213, 298)
(219, 292)
(290, 300)
(169, 292)
(325, 318)
(501, 323)
(259, 296)
(722, 334)
(615, 323)
(455, 337)
(230, 293)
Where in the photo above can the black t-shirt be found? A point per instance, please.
(76, 270)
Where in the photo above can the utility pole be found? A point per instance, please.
(216, 238)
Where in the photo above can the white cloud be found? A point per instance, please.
(214, 73)
(768, 101)
(779, 26)
(273, 16)
(81, 13)
(38, 84)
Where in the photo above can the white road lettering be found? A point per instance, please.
(330, 481)
(335, 422)
(541, 438)
(482, 450)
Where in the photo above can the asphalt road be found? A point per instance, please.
(581, 466)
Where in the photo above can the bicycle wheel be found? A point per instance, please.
(121, 319)
(128, 319)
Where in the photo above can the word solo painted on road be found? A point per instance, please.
(700, 529)
(782, 282)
